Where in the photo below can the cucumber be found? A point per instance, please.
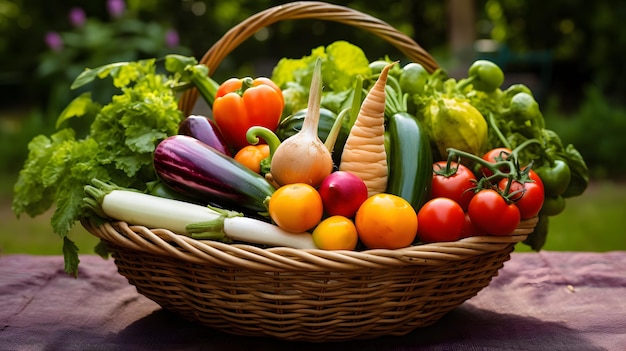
(410, 159)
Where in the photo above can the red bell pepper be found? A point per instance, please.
(243, 103)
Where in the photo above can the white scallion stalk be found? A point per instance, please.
(188, 219)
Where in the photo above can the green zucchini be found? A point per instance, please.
(292, 124)
(410, 159)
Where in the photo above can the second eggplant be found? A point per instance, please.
(204, 130)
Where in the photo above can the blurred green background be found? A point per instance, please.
(569, 52)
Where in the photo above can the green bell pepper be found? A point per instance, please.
(555, 177)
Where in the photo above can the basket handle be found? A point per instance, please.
(306, 10)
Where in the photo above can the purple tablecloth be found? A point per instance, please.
(539, 301)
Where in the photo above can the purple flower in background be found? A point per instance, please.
(116, 8)
(77, 17)
(171, 38)
(54, 41)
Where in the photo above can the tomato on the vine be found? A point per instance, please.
(535, 177)
(440, 219)
(493, 156)
(457, 186)
(528, 196)
(491, 213)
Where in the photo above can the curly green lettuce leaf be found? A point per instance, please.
(342, 62)
(118, 148)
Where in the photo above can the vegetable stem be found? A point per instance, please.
(494, 126)
(334, 131)
(311, 119)
(266, 134)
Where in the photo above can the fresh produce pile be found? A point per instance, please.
(332, 152)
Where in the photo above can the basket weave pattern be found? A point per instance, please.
(309, 295)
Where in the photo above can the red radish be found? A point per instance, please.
(342, 193)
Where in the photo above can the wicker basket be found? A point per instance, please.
(309, 295)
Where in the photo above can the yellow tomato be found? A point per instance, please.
(296, 207)
(335, 233)
(386, 221)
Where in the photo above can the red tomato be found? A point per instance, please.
(493, 156)
(535, 177)
(457, 187)
(440, 219)
(490, 212)
(469, 229)
(528, 197)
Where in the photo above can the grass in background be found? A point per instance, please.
(591, 222)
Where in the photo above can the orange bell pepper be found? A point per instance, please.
(243, 103)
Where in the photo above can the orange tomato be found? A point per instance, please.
(296, 207)
(386, 221)
(252, 155)
(335, 233)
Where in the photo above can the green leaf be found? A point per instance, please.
(70, 254)
(580, 173)
(537, 239)
(102, 250)
(345, 61)
(88, 75)
(178, 63)
(76, 108)
(69, 207)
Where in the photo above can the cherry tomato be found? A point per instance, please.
(440, 219)
(252, 155)
(493, 156)
(535, 177)
(386, 221)
(335, 233)
(469, 229)
(490, 213)
(296, 207)
(528, 196)
(457, 187)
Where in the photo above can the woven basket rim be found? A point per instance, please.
(165, 242)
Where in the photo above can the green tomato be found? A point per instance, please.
(486, 75)
(552, 206)
(413, 78)
(377, 66)
(524, 106)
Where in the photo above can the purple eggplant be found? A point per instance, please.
(204, 130)
(198, 170)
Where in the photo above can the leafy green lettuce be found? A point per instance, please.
(118, 147)
(342, 62)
